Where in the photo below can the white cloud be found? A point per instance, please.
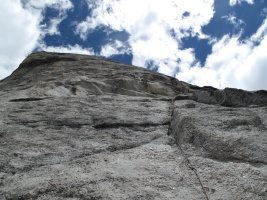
(136, 16)
(67, 49)
(20, 30)
(233, 63)
(232, 19)
(261, 32)
(61, 5)
(19, 35)
(53, 28)
(114, 49)
(155, 28)
(38, 7)
(234, 2)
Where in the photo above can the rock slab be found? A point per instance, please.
(81, 127)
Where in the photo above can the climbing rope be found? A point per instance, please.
(187, 161)
(190, 166)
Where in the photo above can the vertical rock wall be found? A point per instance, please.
(81, 127)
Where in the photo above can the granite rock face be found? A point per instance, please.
(80, 127)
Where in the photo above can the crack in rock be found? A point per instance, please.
(128, 125)
(27, 99)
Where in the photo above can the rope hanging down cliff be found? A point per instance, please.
(187, 161)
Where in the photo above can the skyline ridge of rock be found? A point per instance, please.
(81, 127)
(201, 94)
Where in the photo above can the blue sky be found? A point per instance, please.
(221, 43)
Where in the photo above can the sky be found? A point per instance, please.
(219, 43)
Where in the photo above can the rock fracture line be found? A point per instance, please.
(187, 161)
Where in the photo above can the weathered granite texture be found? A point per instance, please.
(81, 127)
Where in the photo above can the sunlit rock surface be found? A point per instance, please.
(80, 127)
